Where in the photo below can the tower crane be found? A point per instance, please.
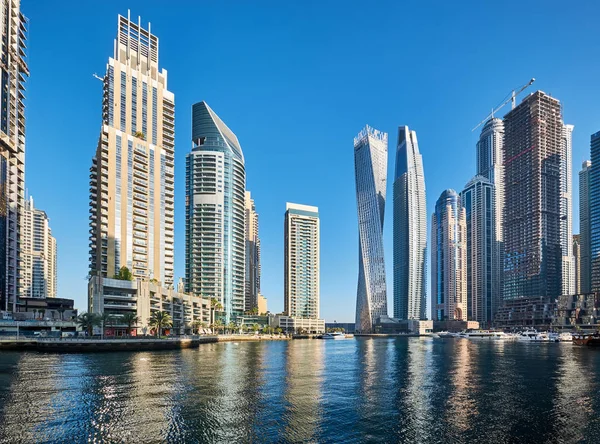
(512, 97)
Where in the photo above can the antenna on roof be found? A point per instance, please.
(98, 77)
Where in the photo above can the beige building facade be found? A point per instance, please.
(132, 174)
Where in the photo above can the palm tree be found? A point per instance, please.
(159, 320)
(130, 319)
(218, 324)
(213, 304)
(106, 319)
(87, 322)
(255, 328)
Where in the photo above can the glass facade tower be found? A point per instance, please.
(410, 229)
(594, 209)
(370, 168)
(585, 267)
(215, 244)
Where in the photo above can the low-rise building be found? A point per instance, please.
(348, 327)
(291, 324)
(262, 321)
(47, 309)
(455, 326)
(387, 325)
(527, 312)
(144, 297)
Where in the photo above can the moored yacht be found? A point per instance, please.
(533, 336)
(485, 334)
(336, 335)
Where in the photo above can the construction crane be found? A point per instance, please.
(512, 97)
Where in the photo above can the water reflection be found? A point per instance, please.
(304, 368)
(464, 382)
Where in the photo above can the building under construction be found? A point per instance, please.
(533, 138)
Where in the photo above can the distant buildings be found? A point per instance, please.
(370, 167)
(483, 277)
(410, 229)
(38, 250)
(215, 213)
(132, 176)
(533, 166)
(252, 275)
(449, 259)
(13, 72)
(301, 261)
(585, 268)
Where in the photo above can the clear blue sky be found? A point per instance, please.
(296, 81)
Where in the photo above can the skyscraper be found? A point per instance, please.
(215, 247)
(38, 248)
(370, 169)
(566, 210)
(410, 229)
(483, 290)
(301, 261)
(490, 152)
(252, 282)
(13, 71)
(577, 261)
(449, 259)
(132, 176)
(533, 151)
(594, 212)
(585, 268)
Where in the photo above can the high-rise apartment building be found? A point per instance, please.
(490, 152)
(585, 238)
(410, 229)
(483, 283)
(252, 283)
(577, 262)
(132, 176)
(301, 261)
(594, 212)
(38, 253)
(566, 210)
(13, 71)
(449, 259)
(533, 169)
(215, 247)
(370, 169)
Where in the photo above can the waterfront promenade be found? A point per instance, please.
(65, 345)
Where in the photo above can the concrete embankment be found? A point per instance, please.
(77, 345)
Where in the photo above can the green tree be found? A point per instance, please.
(218, 325)
(87, 322)
(159, 320)
(278, 330)
(130, 319)
(124, 274)
(231, 327)
(254, 310)
(255, 328)
(213, 305)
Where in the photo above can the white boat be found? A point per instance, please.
(565, 337)
(336, 335)
(486, 334)
(533, 336)
(445, 334)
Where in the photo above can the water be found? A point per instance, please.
(363, 390)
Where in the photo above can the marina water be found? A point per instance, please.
(356, 390)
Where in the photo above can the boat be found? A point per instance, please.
(533, 336)
(446, 334)
(336, 335)
(586, 339)
(486, 334)
(565, 337)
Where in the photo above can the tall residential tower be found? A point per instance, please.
(301, 261)
(13, 71)
(594, 212)
(410, 229)
(215, 247)
(38, 248)
(566, 210)
(483, 291)
(370, 169)
(533, 170)
(449, 259)
(252, 280)
(132, 177)
(585, 238)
